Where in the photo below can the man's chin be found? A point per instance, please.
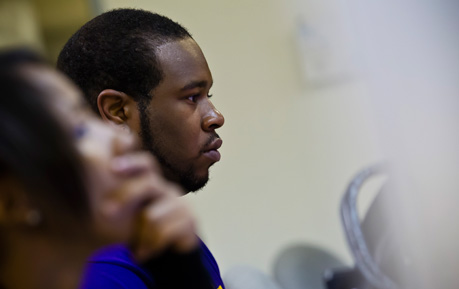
(194, 184)
(190, 180)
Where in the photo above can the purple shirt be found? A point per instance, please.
(113, 267)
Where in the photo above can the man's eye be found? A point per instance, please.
(193, 98)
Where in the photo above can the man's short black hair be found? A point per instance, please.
(117, 50)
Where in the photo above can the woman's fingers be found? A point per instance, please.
(166, 223)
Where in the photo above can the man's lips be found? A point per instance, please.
(212, 152)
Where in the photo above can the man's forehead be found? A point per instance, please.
(186, 44)
(183, 63)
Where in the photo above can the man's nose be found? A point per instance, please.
(212, 119)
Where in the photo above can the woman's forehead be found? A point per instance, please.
(59, 92)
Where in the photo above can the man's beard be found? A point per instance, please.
(185, 177)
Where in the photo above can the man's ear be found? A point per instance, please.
(117, 108)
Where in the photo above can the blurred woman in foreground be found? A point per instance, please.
(70, 184)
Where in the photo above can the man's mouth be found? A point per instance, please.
(212, 152)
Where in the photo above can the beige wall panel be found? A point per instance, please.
(19, 24)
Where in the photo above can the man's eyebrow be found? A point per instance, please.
(195, 84)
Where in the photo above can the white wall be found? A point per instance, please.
(290, 148)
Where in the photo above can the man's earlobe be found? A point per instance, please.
(114, 106)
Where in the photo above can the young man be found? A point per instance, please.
(145, 73)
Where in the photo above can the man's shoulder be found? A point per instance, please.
(113, 267)
(211, 265)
